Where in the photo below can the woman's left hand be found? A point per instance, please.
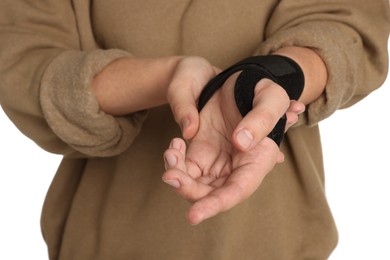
(228, 156)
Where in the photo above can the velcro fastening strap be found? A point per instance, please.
(282, 70)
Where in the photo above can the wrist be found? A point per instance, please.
(132, 84)
(314, 70)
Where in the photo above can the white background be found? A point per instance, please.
(357, 164)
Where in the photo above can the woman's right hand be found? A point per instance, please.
(132, 84)
(190, 77)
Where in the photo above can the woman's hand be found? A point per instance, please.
(228, 156)
(129, 85)
(188, 81)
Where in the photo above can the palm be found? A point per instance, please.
(217, 168)
(212, 172)
(211, 155)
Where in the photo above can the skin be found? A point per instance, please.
(226, 157)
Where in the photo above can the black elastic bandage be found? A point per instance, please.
(282, 70)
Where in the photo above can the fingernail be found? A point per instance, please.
(173, 183)
(244, 138)
(171, 160)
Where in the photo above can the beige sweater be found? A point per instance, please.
(107, 200)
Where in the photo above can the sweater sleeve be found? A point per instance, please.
(46, 76)
(350, 36)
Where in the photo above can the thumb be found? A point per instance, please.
(191, 75)
(186, 114)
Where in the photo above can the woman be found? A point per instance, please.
(92, 79)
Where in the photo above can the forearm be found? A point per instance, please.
(131, 84)
(314, 69)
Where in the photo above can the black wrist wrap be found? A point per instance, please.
(282, 70)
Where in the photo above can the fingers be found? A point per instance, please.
(295, 109)
(185, 112)
(191, 75)
(179, 176)
(211, 196)
(280, 158)
(215, 203)
(241, 184)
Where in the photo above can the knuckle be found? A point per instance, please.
(179, 110)
(176, 108)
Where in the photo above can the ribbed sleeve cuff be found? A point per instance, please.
(338, 55)
(71, 109)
